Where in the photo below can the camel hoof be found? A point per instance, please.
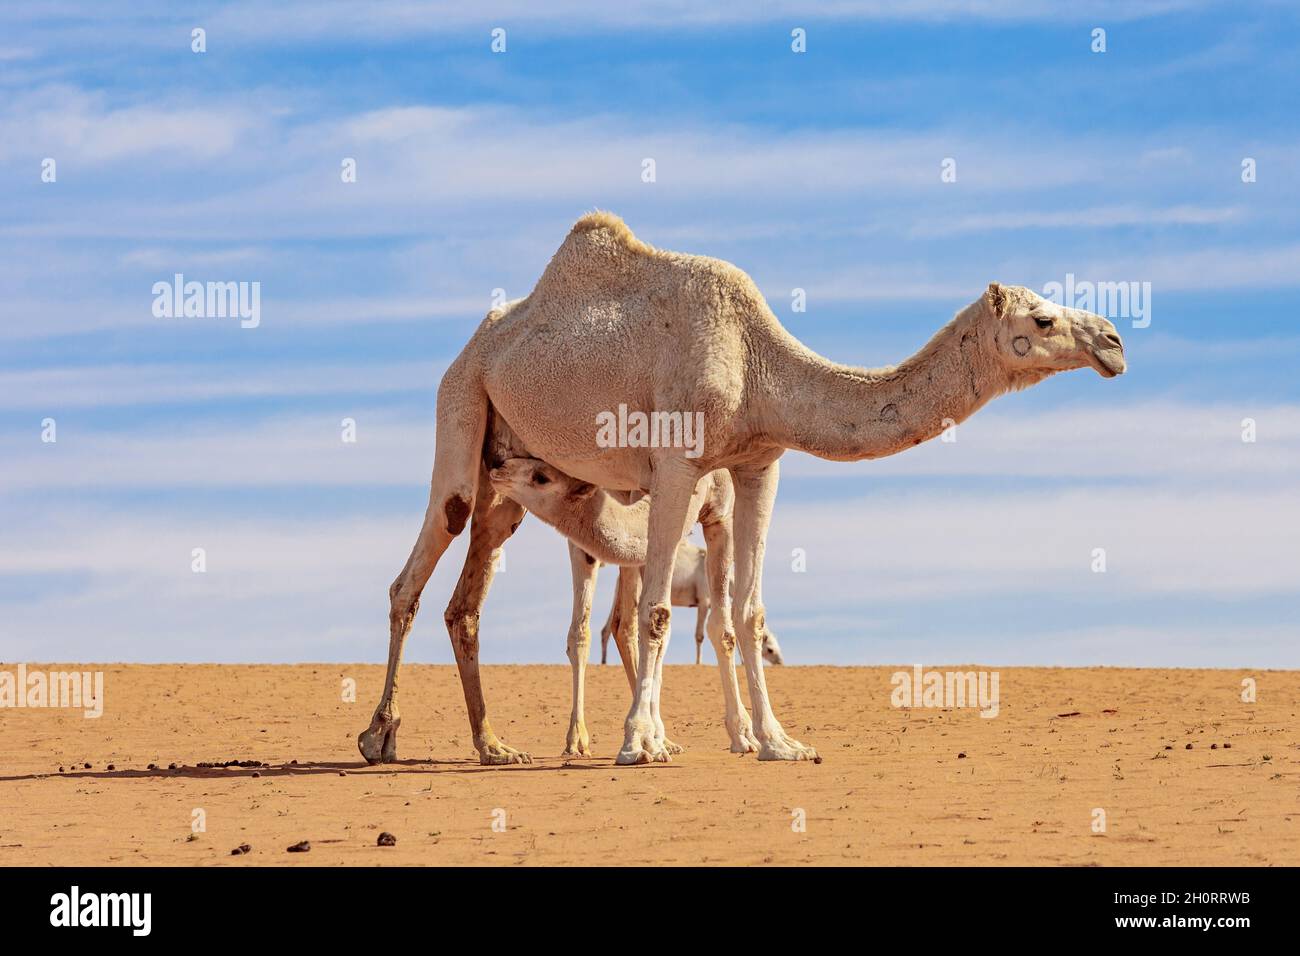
(629, 758)
(641, 745)
(787, 749)
(743, 740)
(378, 742)
(672, 748)
(499, 755)
(578, 741)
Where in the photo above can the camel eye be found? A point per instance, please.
(1041, 322)
(540, 479)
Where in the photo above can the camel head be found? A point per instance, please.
(532, 482)
(1036, 338)
(771, 649)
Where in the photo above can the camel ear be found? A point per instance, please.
(997, 299)
(581, 490)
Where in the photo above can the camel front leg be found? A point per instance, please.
(625, 638)
(755, 495)
(462, 414)
(495, 520)
(656, 714)
(378, 742)
(623, 614)
(671, 490)
(722, 634)
(583, 567)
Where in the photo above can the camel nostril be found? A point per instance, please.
(1112, 341)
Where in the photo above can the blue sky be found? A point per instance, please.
(818, 171)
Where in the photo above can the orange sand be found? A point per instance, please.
(891, 790)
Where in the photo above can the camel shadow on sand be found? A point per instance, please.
(328, 768)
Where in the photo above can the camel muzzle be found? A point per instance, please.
(1107, 353)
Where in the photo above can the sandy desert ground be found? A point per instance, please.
(896, 786)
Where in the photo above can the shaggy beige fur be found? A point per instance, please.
(660, 330)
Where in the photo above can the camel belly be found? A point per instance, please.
(522, 433)
(579, 390)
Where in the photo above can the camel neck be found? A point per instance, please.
(846, 414)
(602, 526)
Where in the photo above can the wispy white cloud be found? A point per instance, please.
(178, 383)
(119, 586)
(1097, 217)
(1237, 266)
(82, 128)
(906, 546)
(280, 452)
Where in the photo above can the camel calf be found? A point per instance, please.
(600, 527)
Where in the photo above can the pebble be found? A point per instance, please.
(302, 847)
(387, 839)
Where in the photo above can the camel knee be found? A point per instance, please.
(456, 509)
(578, 644)
(402, 604)
(462, 628)
(657, 621)
(751, 625)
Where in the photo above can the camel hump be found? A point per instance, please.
(605, 228)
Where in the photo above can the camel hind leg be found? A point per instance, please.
(672, 489)
(584, 568)
(607, 631)
(721, 632)
(495, 520)
(462, 419)
(701, 614)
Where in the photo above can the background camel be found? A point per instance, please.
(669, 332)
(690, 588)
